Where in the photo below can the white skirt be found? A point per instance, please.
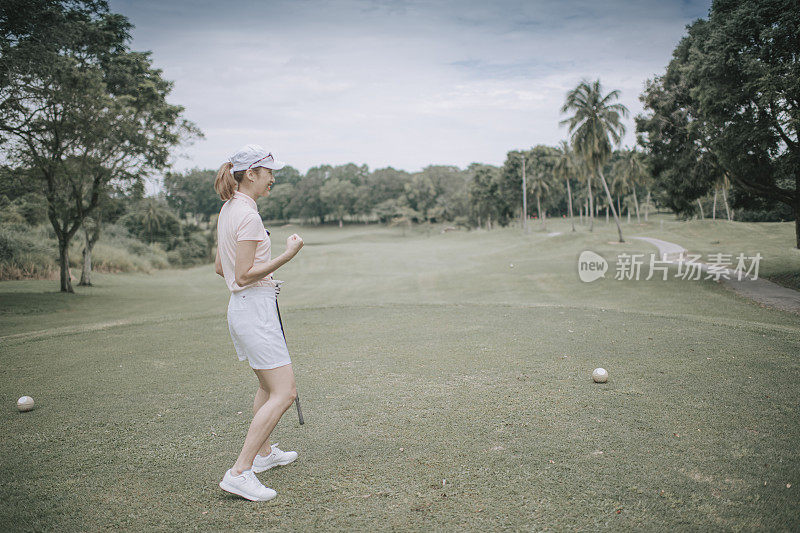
(255, 328)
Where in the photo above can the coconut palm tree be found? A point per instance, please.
(540, 185)
(153, 217)
(594, 126)
(620, 187)
(563, 168)
(582, 171)
(632, 168)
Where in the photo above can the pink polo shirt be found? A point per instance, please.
(239, 221)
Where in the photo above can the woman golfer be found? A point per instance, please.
(243, 259)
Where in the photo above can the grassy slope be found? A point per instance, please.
(433, 344)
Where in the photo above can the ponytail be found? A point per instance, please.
(225, 184)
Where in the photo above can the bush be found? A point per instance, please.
(779, 213)
(32, 207)
(32, 251)
(192, 250)
(118, 251)
(23, 255)
(152, 221)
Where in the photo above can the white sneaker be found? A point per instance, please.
(247, 486)
(277, 457)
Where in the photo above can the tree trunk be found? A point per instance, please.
(87, 262)
(590, 212)
(702, 216)
(797, 213)
(341, 223)
(538, 207)
(647, 206)
(725, 199)
(714, 209)
(611, 204)
(607, 213)
(90, 238)
(569, 196)
(629, 216)
(619, 209)
(63, 253)
(636, 201)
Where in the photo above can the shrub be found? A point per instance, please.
(191, 250)
(23, 255)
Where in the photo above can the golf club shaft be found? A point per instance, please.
(297, 397)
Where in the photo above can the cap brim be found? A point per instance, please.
(275, 165)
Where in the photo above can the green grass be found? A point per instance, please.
(773, 240)
(419, 359)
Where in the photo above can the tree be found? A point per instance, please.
(420, 194)
(108, 207)
(152, 221)
(732, 93)
(596, 120)
(484, 195)
(340, 197)
(632, 170)
(563, 168)
(276, 205)
(78, 108)
(307, 202)
(537, 164)
(192, 192)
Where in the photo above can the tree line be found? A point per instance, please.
(84, 120)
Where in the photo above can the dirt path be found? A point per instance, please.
(759, 290)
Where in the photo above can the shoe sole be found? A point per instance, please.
(233, 490)
(259, 469)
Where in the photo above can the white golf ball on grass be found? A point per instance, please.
(25, 403)
(600, 375)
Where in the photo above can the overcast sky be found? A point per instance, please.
(398, 83)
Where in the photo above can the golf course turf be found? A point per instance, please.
(442, 389)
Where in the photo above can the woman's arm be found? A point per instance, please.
(246, 273)
(218, 265)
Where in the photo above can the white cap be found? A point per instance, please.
(252, 156)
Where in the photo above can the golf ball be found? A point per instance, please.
(600, 375)
(25, 403)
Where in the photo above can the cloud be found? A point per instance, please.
(405, 84)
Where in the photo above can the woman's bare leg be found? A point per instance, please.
(261, 398)
(280, 385)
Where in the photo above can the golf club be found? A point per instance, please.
(278, 284)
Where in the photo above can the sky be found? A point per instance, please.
(396, 83)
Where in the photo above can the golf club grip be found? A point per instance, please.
(297, 397)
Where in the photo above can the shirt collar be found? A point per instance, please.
(246, 198)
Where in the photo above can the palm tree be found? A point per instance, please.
(582, 171)
(153, 217)
(563, 168)
(632, 168)
(540, 186)
(619, 187)
(595, 120)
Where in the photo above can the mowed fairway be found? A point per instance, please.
(442, 389)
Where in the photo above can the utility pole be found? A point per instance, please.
(524, 198)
